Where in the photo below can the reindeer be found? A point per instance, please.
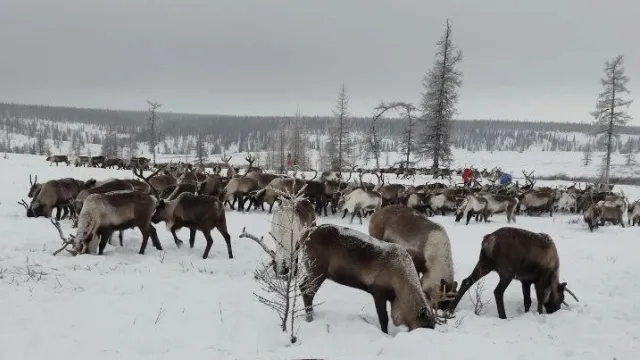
(212, 185)
(487, 204)
(238, 187)
(634, 213)
(196, 212)
(288, 222)
(82, 161)
(441, 203)
(359, 200)
(110, 163)
(592, 216)
(537, 199)
(391, 193)
(56, 194)
(519, 254)
(276, 187)
(102, 214)
(354, 259)
(97, 161)
(611, 211)
(427, 243)
(101, 188)
(58, 159)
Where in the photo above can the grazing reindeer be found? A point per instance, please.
(519, 254)
(102, 214)
(354, 259)
(196, 212)
(58, 159)
(360, 200)
(56, 194)
(427, 243)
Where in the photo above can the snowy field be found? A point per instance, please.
(175, 305)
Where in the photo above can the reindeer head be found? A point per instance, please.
(34, 186)
(160, 212)
(554, 297)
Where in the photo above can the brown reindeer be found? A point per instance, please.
(196, 212)
(354, 259)
(271, 192)
(428, 244)
(58, 159)
(519, 254)
(101, 188)
(56, 194)
(102, 214)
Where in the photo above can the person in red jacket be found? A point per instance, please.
(467, 177)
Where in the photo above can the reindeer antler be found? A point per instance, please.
(35, 180)
(24, 203)
(140, 173)
(232, 171)
(65, 242)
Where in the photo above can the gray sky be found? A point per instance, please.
(527, 60)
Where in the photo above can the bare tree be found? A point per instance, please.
(374, 136)
(630, 155)
(340, 131)
(611, 108)
(587, 154)
(408, 144)
(297, 144)
(153, 119)
(283, 292)
(439, 100)
(133, 145)
(201, 150)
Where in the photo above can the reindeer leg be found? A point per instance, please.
(309, 287)
(345, 213)
(381, 309)
(227, 238)
(499, 295)
(105, 236)
(526, 294)
(121, 237)
(207, 236)
(479, 271)
(192, 237)
(154, 238)
(177, 240)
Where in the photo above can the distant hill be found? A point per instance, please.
(40, 129)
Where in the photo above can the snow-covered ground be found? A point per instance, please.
(173, 304)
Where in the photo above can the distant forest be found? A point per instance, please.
(177, 133)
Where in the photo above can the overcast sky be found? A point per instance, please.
(527, 60)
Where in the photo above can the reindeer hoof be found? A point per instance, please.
(179, 244)
(309, 318)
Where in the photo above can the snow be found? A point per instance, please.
(173, 304)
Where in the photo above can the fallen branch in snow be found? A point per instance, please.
(260, 242)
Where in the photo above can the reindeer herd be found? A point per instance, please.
(405, 258)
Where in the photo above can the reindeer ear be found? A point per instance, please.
(562, 286)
